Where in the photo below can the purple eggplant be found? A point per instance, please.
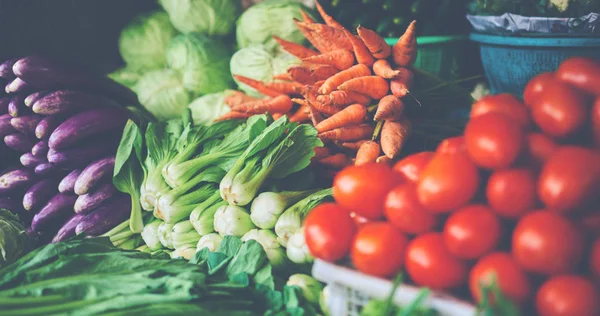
(69, 101)
(47, 169)
(39, 194)
(19, 85)
(68, 228)
(79, 157)
(47, 125)
(30, 161)
(16, 179)
(26, 124)
(6, 127)
(16, 106)
(56, 211)
(87, 202)
(6, 69)
(20, 142)
(94, 174)
(33, 97)
(40, 149)
(4, 101)
(50, 74)
(67, 184)
(80, 127)
(105, 217)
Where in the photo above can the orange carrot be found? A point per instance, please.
(321, 152)
(341, 59)
(383, 69)
(329, 20)
(301, 115)
(284, 76)
(393, 136)
(319, 43)
(375, 43)
(403, 83)
(238, 97)
(316, 108)
(315, 116)
(327, 36)
(294, 48)
(277, 116)
(352, 145)
(318, 84)
(337, 161)
(348, 133)
(384, 160)
(405, 49)
(233, 115)
(373, 86)
(342, 98)
(258, 86)
(301, 74)
(367, 153)
(389, 108)
(336, 80)
(280, 104)
(362, 53)
(323, 72)
(354, 114)
(306, 18)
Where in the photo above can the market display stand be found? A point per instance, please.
(351, 290)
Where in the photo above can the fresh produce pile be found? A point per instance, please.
(92, 277)
(390, 17)
(512, 204)
(66, 124)
(551, 8)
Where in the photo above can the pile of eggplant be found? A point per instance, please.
(65, 124)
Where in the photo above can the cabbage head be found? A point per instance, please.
(144, 40)
(206, 109)
(162, 93)
(14, 241)
(260, 64)
(210, 17)
(126, 77)
(259, 23)
(202, 62)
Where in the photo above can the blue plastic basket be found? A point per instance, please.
(510, 62)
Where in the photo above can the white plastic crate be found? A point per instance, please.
(350, 290)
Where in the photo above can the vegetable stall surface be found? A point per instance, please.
(506, 209)
(67, 123)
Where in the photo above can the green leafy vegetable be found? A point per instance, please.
(206, 109)
(163, 94)
(14, 242)
(210, 17)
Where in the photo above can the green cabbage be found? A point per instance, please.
(211, 17)
(125, 76)
(162, 93)
(144, 41)
(258, 63)
(206, 109)
(203, 63)
(272, 17)
(14, 242)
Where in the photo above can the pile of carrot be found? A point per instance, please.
(350, 87)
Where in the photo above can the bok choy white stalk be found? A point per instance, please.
(268, 240)
(184, 234)
(268, 206)
(297, 249)
(203, 215)
(232, 220)
(165, 231)
(150, 235)
(211, 241)
(291, 220)
(186, 252)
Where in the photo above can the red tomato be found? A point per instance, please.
(359, 220)
(581, 72)
(596, 123)
(595, 258)
(448, 182)
(493, 140)
(452, 145)
(538, 149)
(547, 243)
(501, 268)
(561, 110)
(378, 249)
(570, 178)
(512, 192)
(567, 295)
(537, 86)
(471, 232)
(412, 166)
(405, 212)
(504, 103)
(329, 230)
(430, 264)
(362, 189)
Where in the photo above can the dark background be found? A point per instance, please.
(85, 32)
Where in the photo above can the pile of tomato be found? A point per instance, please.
(515, 201)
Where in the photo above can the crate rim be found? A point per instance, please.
(501, 40)
(431, 40)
